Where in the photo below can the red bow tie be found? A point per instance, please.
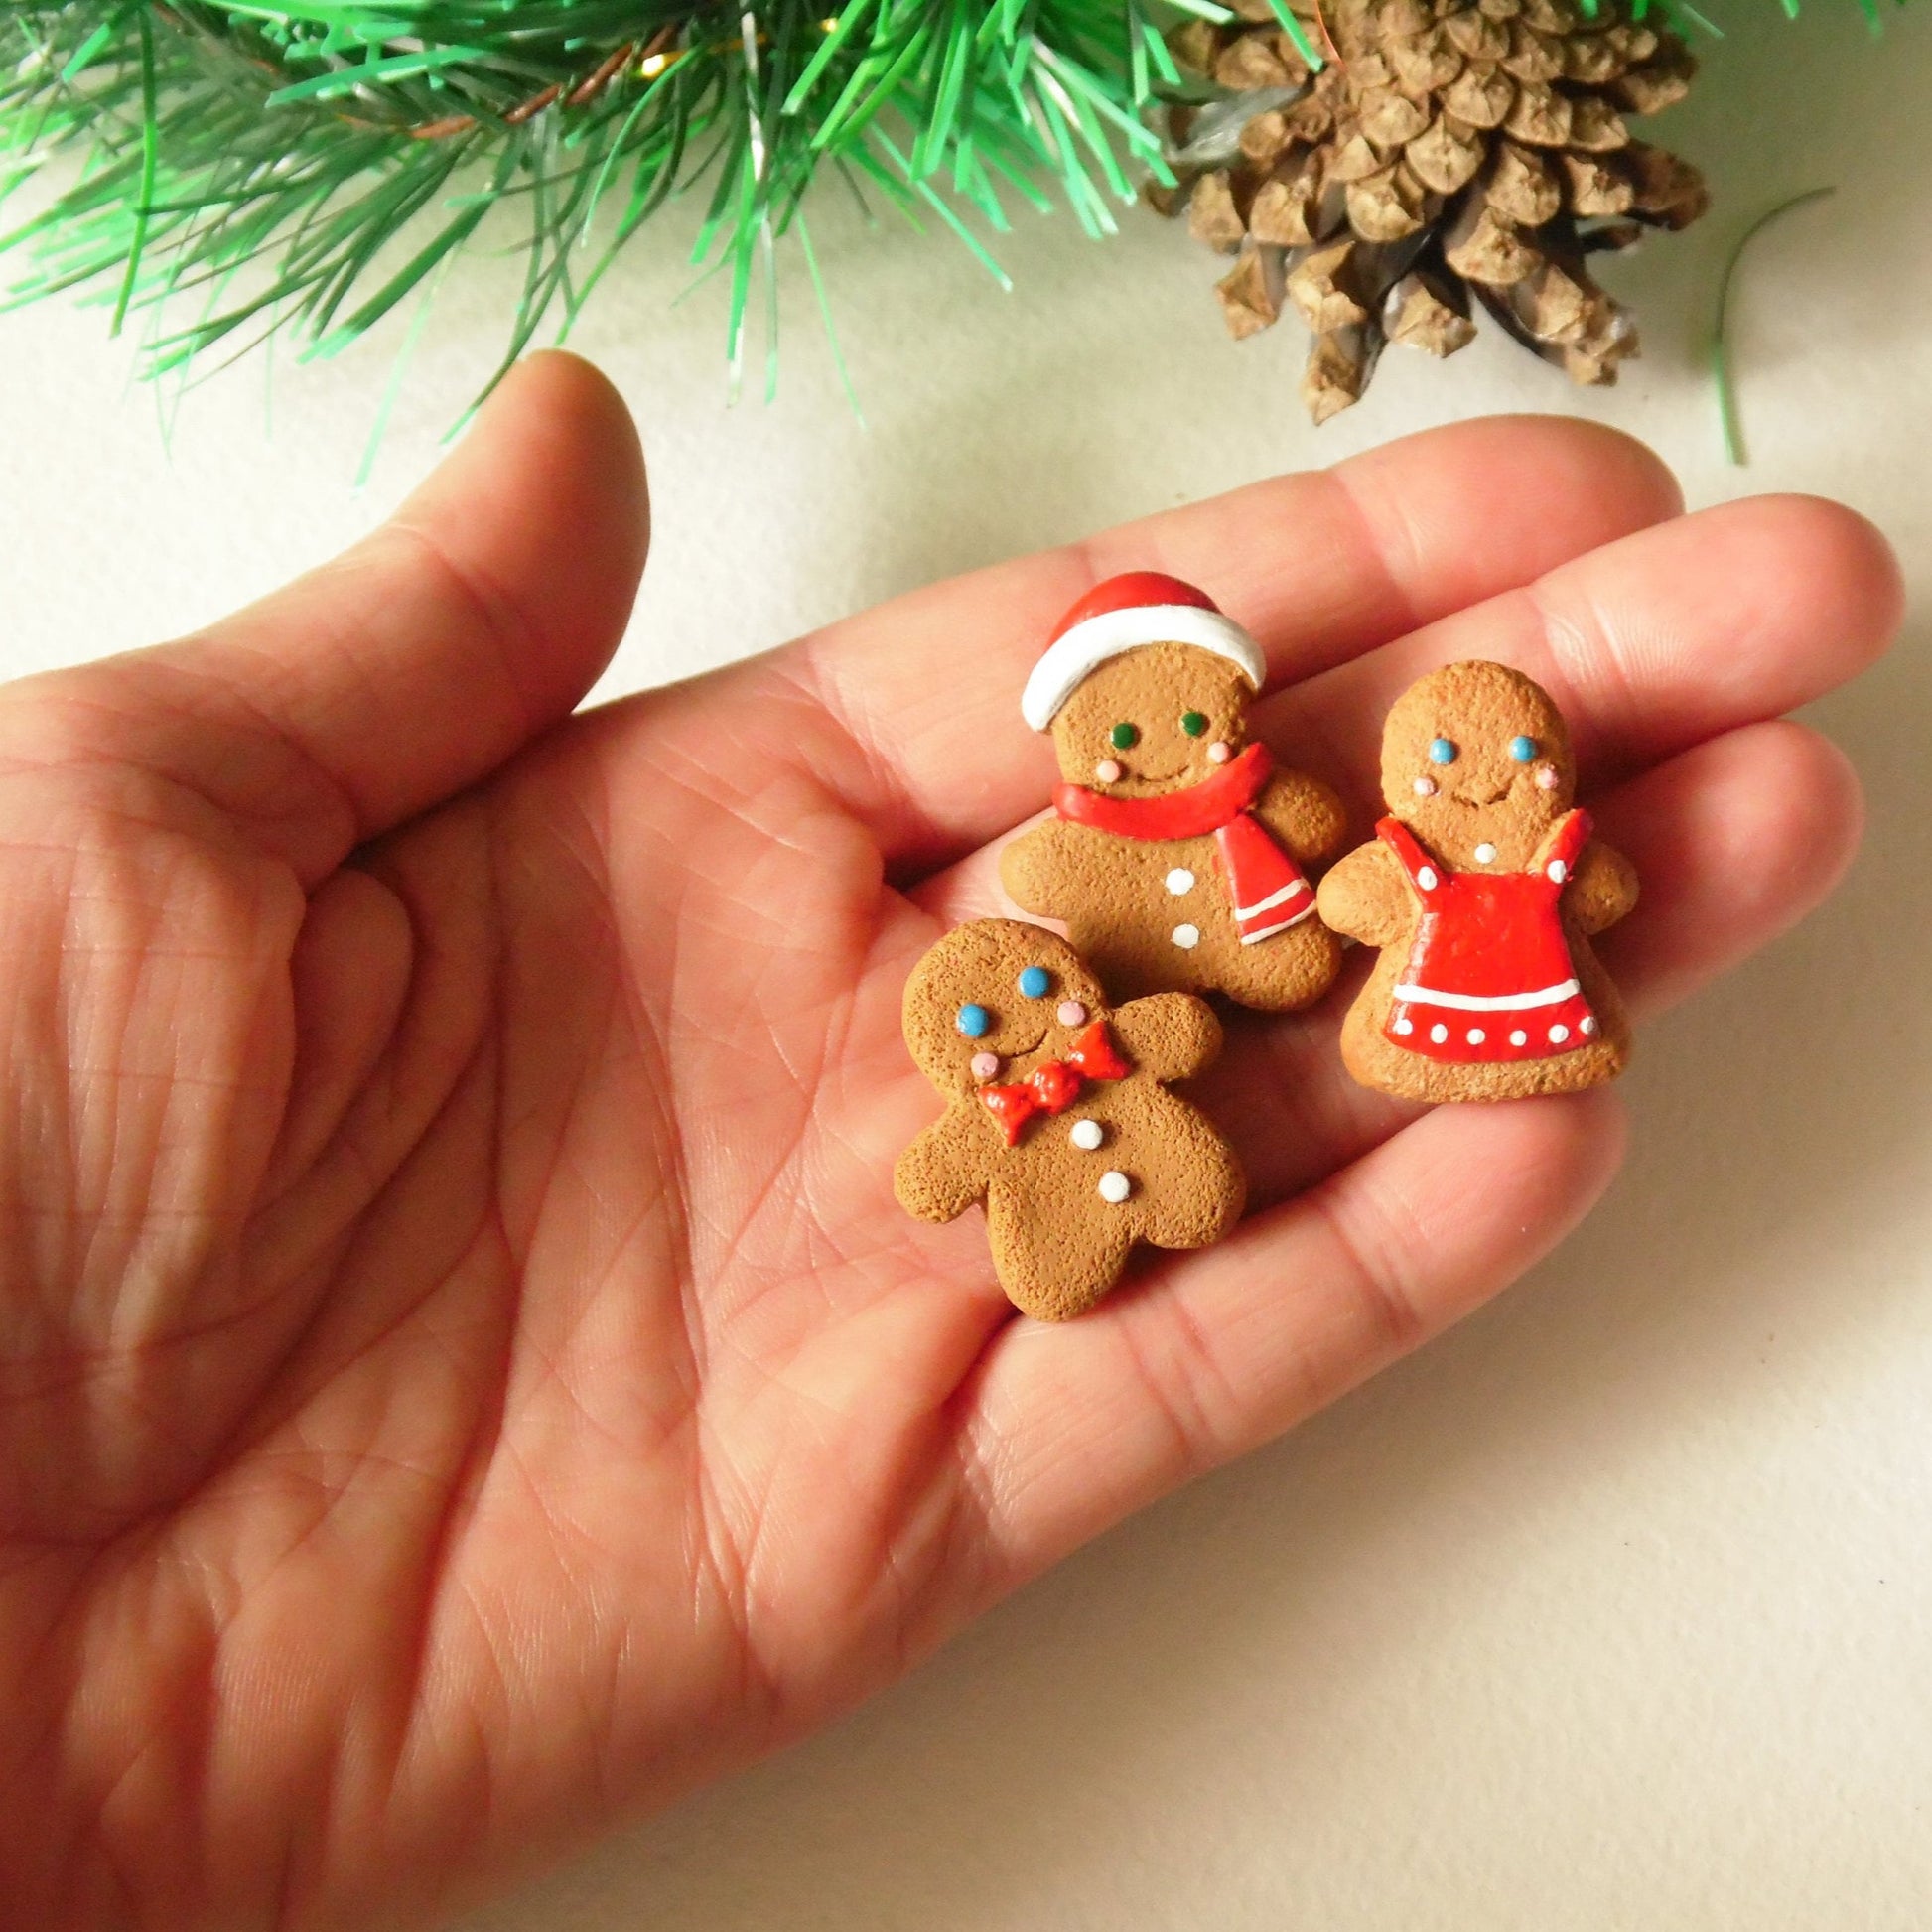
(1055, 1084)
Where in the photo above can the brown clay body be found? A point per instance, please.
(1058, 1244)
(1484, 798)
(1123, 899)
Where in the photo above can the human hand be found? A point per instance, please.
(464, 1375)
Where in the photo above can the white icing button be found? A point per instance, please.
(1587, 1024)
(1519, 1037)
(1425, 788)
(1087, 1134)
(1558, 871)
(1476, 1036)
(1404, 1025)
(1485, 853)
(1425, 878)
(1558, 1035)
(1180, 880)
(1114, 1187)
(1439, 1033)
(1107, 771)
(1186, 937)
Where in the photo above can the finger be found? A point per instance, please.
(1682, 631)
(1671, 636)
(923, 693)
(410, 666)
(1074, 1426)
(1733, 842)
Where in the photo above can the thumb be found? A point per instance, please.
(416, 662)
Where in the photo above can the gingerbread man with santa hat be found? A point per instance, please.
(1177, 849)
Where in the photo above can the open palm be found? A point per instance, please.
(462, 1373)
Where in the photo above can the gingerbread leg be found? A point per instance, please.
(1195, 1188)
(1055, 1269)
(1289, 971)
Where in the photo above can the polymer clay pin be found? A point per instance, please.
(1482, 887)
(1176, 854)
(1057, 1116)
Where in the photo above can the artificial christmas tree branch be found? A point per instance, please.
(265, 161)
(1388, 168)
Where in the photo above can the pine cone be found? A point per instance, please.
(1451, 152)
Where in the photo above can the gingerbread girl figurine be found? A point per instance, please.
(1177, 851)
(1057, 1117)
(1482, 887)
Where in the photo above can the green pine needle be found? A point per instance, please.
(1728, 418)
(317, 163)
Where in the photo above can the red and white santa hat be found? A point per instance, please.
(1140, 606)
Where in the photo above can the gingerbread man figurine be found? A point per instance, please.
(1175, 857)
(1482, 887)
(1056, 1115)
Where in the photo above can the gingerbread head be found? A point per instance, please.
(1482, 887)
(1177, 859)
(1475, 761)
(1145, 686)
(1056, 1115)
(995, 994)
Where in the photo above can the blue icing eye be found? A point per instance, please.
(974, 1021)
(1035, 982)
(1441, 752)
(1522, 749)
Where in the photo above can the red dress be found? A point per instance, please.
(1489, 976)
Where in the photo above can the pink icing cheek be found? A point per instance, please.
(1425, 788)
(1546, 777)
(985, 1066)
(1108, 771)
(1219, 751)
(1071, 1013)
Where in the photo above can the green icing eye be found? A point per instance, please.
(1193, 723)
(1125, 736)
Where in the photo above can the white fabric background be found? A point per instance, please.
(1614, 1609)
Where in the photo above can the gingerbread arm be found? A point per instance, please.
(1366, 896)
(1168, 1036)
(1303, 814)
(1602, 890)
(1036, 871)
(945, 1169)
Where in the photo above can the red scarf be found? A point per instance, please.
(1054, 1085)
(1270, 894)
